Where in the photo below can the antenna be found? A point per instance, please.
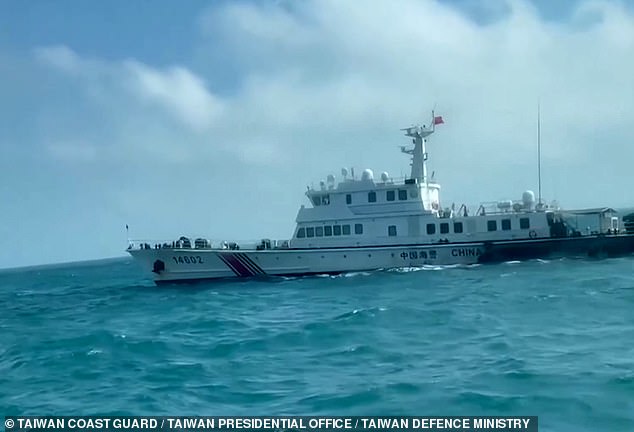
(539, 156)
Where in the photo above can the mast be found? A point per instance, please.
(539, 158)
(419, 153)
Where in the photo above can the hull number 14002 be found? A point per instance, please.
(188, 259)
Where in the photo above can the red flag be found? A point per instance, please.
(438, 120)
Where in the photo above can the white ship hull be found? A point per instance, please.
(170, 265)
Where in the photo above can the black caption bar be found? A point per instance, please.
(270, 424)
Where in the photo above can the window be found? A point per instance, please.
(402, 194)
(346, 229)
(336, 230)
(391, 230)
(348, 199)
(457, 227)
(431, 228)
(444, 228)
(506, 224)
(358, 228)
(319, 232)
(325, 200)
(328, 231)
(492, 225)
(390, 195)
(371, 196)
(316, 201)
(301, 233)
(310, 232)
(525, 223)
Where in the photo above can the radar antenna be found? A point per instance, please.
(418, 153)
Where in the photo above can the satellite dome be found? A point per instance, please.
(528, 198)
(367, 175)
(344, 172)
(330, 179)
(384, 176)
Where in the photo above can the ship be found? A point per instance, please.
(360, 223)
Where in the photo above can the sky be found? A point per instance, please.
(210, 118)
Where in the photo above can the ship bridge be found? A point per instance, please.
(369, 207)
(354, 196)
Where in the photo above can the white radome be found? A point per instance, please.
(528, 198)
(367, 174)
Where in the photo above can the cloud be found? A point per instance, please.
(60, 57)
(178, 90)
(281, 94)
(356, 74)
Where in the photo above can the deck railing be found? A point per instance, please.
(205, 243)
(391, 181)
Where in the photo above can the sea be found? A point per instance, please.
(548, 338)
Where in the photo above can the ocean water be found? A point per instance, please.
(547, 338)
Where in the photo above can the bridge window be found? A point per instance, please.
(358, 228)
(328, 231)
(506, 224)
(325, 200)
(310, 232)
(525, 223)
(391, 230)
(319, 232)
(371, 196)
(336, 230)
(492, 225)
(402, 194)
(348, 199)
(316, 201)
(346, 229)
(390, 195)
(457, 227)
(444, 228)
(301, 233)
(431, 229)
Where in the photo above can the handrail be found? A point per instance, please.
(392, 181)
(204, 243)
